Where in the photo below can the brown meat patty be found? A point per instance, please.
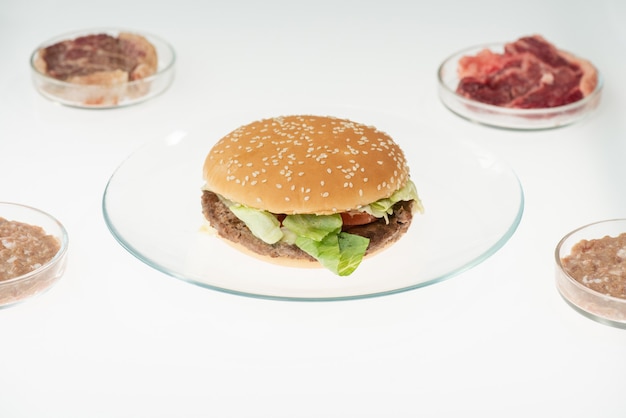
(229, 227)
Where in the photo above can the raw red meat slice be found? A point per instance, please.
(530, 73)
(99, 59)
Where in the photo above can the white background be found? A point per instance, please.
(116, 338)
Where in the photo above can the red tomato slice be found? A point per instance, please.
(357, 218)
(348, 218)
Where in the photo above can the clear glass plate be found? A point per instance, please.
(473, 204)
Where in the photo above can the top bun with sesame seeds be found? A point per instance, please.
(270, 183)
(305, 164)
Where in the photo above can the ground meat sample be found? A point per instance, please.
(530, 73)
(24, 248)
(599, 264)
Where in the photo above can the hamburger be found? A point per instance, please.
(307, 190)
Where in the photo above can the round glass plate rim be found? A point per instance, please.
(155, 264)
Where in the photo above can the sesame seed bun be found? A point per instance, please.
(305, 164)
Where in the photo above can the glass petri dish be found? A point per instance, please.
(106, 94)
(502, 117)
(15, 289)
(594, 304)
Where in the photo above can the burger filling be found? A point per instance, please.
(338, 241)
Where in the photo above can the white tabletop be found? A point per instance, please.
(116, 338)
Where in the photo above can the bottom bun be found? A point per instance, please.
(291, 262)
(302, 263)
(279, 261)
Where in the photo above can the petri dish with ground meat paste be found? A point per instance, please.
(33, 247)
(102, 68)
(591, 271)
(489, 101)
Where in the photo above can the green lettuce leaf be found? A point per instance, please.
(262, 224)
(315, 227)
(352, 248)
(326, 251)
(340, 253)
(383, 208)
(320, 236)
